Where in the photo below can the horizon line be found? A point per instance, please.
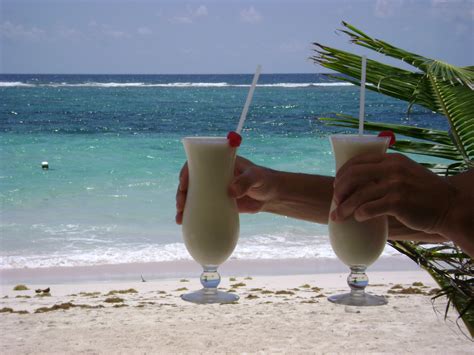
(279, 73)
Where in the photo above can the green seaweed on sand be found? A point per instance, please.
(255, 289)
(394, 287)
(232, 279)
(240, 284)
(316, 289)
(305, 286)
(65, 306)
(181, 289)
(248, 278)
(11, 310)
(407, 291)
(183, 280)
(121, 292)
(114, 300)
(284, 292)
(266, 292)
(120, 305)
(90, 294)
(445, 89)
(417, 284)
(251, 297)
(20, 288)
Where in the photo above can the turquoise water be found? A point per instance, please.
(114, 151)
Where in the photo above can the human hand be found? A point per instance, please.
(251, 187)
(373, 185)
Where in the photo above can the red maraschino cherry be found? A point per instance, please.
(389, 134)
(234, 139)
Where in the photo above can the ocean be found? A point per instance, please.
(113, 144)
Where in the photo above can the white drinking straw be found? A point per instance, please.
(243, 116)
(362, 96)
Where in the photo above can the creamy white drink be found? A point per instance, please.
(210, 218)
(357, 243)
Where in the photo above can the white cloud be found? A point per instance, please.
(453, 10)
(387, 8)
(69, 33)
(201, 11)
(107, 31)
(293, 46)
(13, 31)
(115, 33)
(144, 31)
(191, 14)
(250, 15)
(181, 19)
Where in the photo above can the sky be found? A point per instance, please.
(219, 37)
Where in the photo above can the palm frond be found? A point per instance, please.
(432, 67)
(432, 135)
(457, 104)
(452, 269)
(383, 78)
(438, 86)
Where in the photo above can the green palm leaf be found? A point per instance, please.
(457, 104)
(438, 145)
(438, 86)
(432, 67)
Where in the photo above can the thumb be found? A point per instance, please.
(243, 183)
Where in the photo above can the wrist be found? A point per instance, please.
(458, 221)
(273, 182)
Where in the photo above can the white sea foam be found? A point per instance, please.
(167, 85)
(260, 247)
(8, 84)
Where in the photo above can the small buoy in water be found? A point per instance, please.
(45, 165)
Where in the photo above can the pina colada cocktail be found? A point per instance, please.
(357, 244)
(210, 218)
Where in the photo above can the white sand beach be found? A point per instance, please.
(275, 314)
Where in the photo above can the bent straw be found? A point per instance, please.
(243, 116)
(362, 96)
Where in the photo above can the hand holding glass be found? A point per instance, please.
(357, 244)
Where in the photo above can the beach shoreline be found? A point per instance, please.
(189, 268)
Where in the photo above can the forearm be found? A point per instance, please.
(301, 196)
(400, 232)
(308, 197)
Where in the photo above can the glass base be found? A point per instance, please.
(205, 297)
(362, 300)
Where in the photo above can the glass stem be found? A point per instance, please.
(357, 280)
(210, 279)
